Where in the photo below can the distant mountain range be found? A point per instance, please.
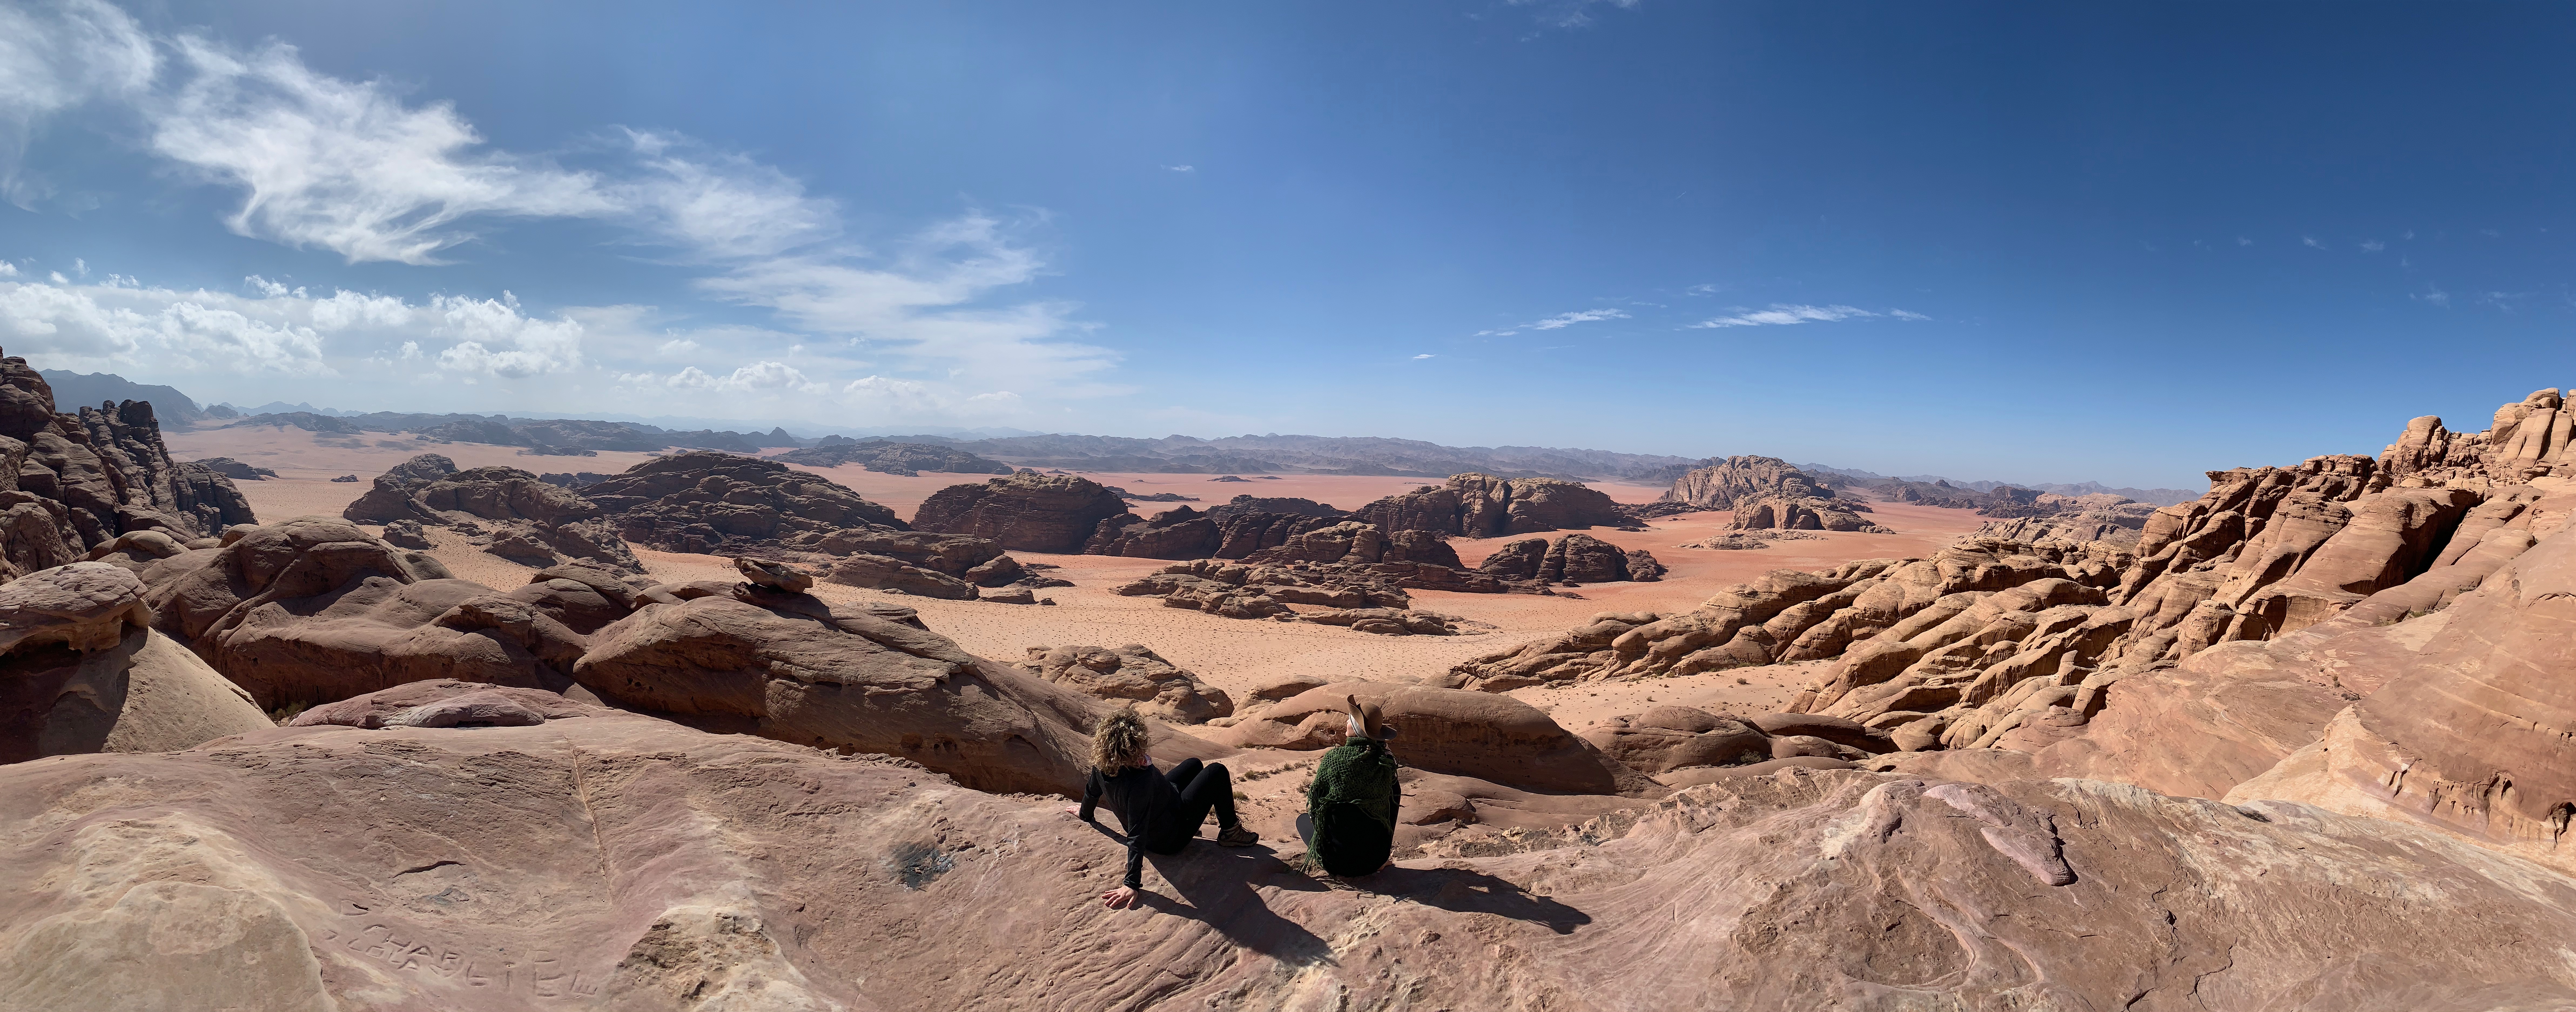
(1263, 454)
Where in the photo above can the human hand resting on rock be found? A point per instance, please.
(1120, 898)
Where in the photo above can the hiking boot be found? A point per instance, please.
(1236, 837)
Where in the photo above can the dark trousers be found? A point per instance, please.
(1204, 787)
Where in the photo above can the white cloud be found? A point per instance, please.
(2311, 242)
(1903, 315)
(2436, 296)
(108, 326)
(2373, 246)
(1784, 314)
(498, 340)
(1180, 168)
(1420, 357)
(2242, 241)
(344, 165)
(722, 205)
(8, 270)
(54, 57)
(1700, 290)
(1569, 319)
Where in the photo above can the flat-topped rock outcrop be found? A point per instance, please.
(1483, 506)
(714, 503)
(1025, 511)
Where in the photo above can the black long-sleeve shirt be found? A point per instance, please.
(1149, 810)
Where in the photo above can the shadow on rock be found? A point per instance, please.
(1460, 890)
(1221, 888)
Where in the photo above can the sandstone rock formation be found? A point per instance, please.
(1025, 511)
(1572, 559)
(530, 521)
(1470, 734)
(1720, 485)
(616, 861)
(312, 610)
(1801, 514)
(236, 470)
(82, 671)
(879, 572)
(708, 502)
(789, 666)
(1135, 674)
(892, 457)
(1737, 541)
(1388, 621)
(70, 482)
(2098, 517)
(1238, 590)
(1483, 506)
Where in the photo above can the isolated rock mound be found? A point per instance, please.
(1131, 673)
(1483, 506)
(718, 503)
(1720, 485)
(1574, 558)
(1026, 511)
(82, 671)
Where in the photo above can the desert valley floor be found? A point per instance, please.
(1231, 655)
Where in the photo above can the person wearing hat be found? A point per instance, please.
(1349, 825)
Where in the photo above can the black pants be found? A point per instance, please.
(1204, 787)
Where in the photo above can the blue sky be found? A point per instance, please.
(2039, 242)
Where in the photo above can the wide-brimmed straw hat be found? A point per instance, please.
(1372, 723)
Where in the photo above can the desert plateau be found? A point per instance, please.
(1535, 505)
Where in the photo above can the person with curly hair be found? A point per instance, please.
(1160, 812)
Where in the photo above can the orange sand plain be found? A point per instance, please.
(1232, 654)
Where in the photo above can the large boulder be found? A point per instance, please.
(1132, 673)
(82, 671)
(878, 572)
(1668, 738)
(1484, 506)
(1025, 511)
(708, 502)
(855, 679)
(1470, 734)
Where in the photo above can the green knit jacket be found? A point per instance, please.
(1353, 801)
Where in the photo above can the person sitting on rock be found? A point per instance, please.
(1160, 812)
(1349, 825)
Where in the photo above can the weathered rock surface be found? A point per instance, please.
(513, 514)
(657, 867)
(1483, 506)
(1237, 590)
(70, 482)
(878, 572)
(1470, 734)
(312, 610)
(708, 502)
(234, 469)
(1802, 514)
(1131, 673)
(1720, 485)
(1025, 511)
(81, 671)
(790, 667)
(1574, 558)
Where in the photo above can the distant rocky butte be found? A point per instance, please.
(1483, 506)
(891, 458)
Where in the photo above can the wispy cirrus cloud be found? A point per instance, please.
(1570, 13)
(1558, 322)
(1783, 314)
